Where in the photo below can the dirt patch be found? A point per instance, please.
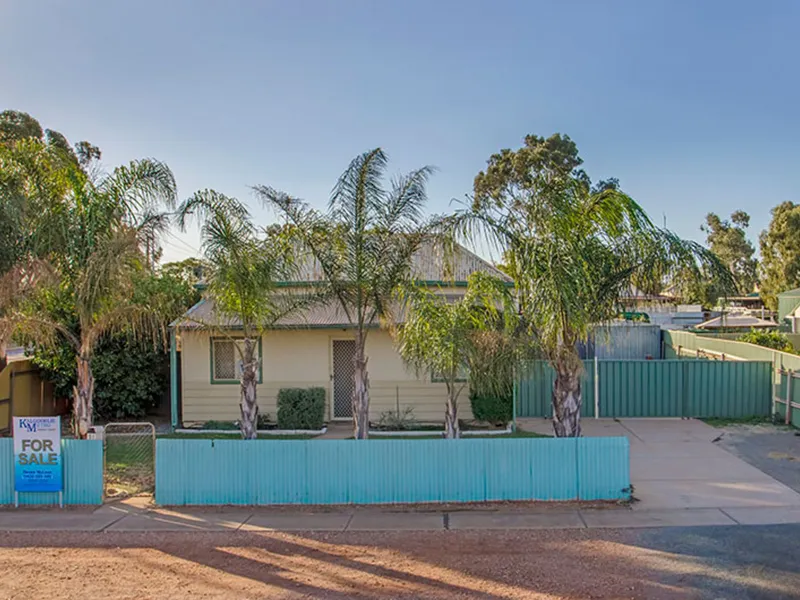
(520, 564)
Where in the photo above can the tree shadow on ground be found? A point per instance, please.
(729, 562)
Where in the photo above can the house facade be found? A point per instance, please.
(315, 348)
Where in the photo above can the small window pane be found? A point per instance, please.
(225, 360)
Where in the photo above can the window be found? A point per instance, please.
(226, 360)
(462, 374)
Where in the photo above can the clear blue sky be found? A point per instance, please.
(692, 105)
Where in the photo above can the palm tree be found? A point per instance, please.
(243, 268)
(363, 246)
(444, 337)
(572, 250)
(97, 265)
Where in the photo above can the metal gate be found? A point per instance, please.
(130, 452)
(343, 373)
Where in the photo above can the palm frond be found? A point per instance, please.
(140, 185)
(206, 204)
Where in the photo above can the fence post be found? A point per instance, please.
(788, 413)
(596, 388)
(514, 401)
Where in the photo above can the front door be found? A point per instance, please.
(343, 371)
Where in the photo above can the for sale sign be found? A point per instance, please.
(37, 454)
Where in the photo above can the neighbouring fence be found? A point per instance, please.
(681, 343)
(83, 474)
(198, 472)
(786, 402)
(655, 388)
(623, 340)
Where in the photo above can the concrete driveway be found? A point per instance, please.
(676, 464)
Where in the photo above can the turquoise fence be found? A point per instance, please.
(197, 472)
(83, 474)
(656, 388)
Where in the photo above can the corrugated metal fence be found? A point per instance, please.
(623, 340)
(83, 474)
(656, 388)
(196, 472)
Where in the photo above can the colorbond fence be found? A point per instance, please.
(787, 398)
(656, 388)
(203, 472)
(83, 474)
(678, 343)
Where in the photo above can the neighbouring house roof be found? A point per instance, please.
(429, 266)
(736, 321)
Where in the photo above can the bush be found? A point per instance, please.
(768, 339)
(300, 408)
(491, 408)
(226, 425)
(130, 379)
(393, 421)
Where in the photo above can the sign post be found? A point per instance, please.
(37, 456)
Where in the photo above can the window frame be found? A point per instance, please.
(213, 380)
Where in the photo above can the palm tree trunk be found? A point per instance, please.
(82, 398)
(452, 430)
(249, 401)
(3, 352)
(567, 399)
(360, 389)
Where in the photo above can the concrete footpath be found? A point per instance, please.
(130, 517)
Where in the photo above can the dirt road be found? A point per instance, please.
(713, 562)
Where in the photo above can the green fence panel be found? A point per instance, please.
(658, 388)
(641, 388)
(780, 392)
(535, 389)
(730, 389)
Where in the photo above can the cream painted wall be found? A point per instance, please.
(302, 358)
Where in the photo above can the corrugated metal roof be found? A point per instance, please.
(429, 265)
(732, 321)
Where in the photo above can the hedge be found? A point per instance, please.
(491, 408)
(301, 408)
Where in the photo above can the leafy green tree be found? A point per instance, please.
(36, 172)
(574, 252)
(243, 268)
(780, 253)
(728, 240)
(130, 376)
(441, 337)
(97, 264)
(363, 245)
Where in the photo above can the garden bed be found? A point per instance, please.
(268, 433)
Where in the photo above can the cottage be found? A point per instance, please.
(314, 348)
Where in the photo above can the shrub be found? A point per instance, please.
(130, 379)
(300, 408)
(224, 425)
(491, 408)
(394, 421)
(768, 339)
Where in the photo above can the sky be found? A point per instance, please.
(693, 106)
